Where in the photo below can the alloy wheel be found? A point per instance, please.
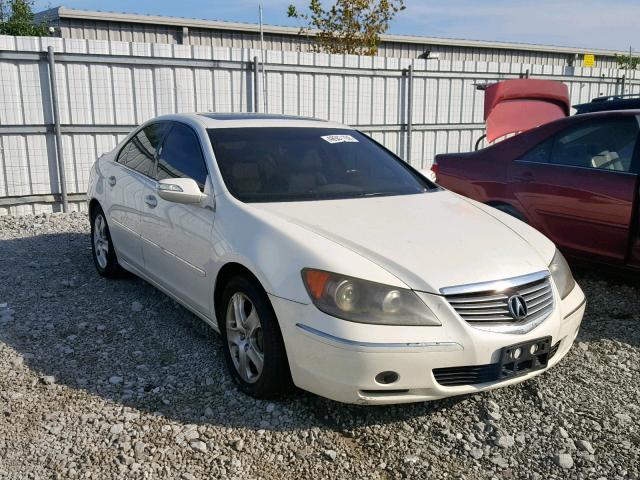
(244, 337)
(101, 241)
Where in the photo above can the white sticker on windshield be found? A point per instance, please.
(339, 138)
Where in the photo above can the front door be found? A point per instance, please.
(176, 237)
(579, 188)
(126, 179)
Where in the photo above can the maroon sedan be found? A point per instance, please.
(574, 179)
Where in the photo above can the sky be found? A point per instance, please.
(608, 24)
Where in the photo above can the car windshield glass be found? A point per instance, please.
(297, 164)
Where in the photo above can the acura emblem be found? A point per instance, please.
(517, 307)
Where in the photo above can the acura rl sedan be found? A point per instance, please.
(326, 262)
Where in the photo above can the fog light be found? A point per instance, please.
(517, 353)
(385, 378)
(534, 349)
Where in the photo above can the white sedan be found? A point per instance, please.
(326, 262)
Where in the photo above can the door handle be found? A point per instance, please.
(151, 201)
(112, 181)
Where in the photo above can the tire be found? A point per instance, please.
(104, 255)
(251, 336)
(508, 209)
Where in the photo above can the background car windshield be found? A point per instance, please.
(295, 164)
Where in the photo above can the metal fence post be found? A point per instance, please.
(256, 84)
(409, 111)
(56, 120)
(265, 107)
(265, 95)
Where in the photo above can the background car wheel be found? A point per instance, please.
(104, 256)
(252, 342)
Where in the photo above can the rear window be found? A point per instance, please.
(299, 164)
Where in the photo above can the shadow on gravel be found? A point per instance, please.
(87, 332)
(126, 342)
(613, 305)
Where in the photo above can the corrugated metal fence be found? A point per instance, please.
(104, 88)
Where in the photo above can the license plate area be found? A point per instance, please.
(522, 358)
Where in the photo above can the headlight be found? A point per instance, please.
(561, 274)
(363, 301)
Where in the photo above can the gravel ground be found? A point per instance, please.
(112, 379)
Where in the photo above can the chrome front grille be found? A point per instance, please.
(487, 303)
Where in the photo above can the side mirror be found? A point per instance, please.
(180, 190)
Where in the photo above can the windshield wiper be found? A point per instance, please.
(377, 194)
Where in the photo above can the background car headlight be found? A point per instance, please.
(561, 274)
(363, 301)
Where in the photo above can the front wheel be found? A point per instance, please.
(253, 347)
(104, 255)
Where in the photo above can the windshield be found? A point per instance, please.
(296, 164)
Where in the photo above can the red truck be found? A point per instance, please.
(574, 178)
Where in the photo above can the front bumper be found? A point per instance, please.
(340, 360)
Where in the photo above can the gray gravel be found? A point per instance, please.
(112, 379)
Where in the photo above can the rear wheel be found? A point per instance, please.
(104, 255)
(253, 346)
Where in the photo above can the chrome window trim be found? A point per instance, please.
(144, 177)
(495, 285)
(591, 169)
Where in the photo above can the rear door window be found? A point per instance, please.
(181, 156)
(139, 153)
(541, 153)
(606, 144)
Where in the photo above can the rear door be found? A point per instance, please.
(177, 237)
(133, 170)
(579, 186)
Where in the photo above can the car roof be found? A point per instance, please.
(586, 116)
(252, 120)
(623, 101)
(608, 103)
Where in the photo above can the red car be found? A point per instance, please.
(575, 179)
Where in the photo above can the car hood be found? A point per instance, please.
(429, 241)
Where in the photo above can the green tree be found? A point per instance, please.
(627, 61)
(16, 18)
(349, 26)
